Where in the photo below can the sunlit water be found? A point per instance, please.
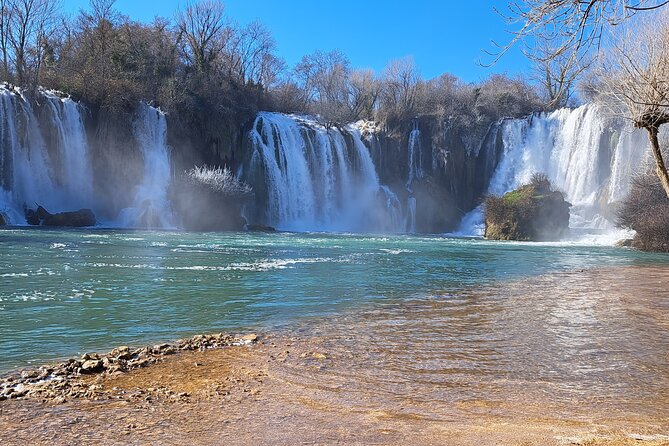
(67, 292)
(588, 345)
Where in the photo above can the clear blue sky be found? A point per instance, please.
(441, 35)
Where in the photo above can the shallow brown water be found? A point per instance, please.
(569, 358)
(579, 344)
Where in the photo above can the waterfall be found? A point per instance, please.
(588, 156)
(415, 169)
(44, 155)
(414, 155)
(151, 207)
(308, 177)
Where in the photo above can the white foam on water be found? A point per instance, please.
(261, 265)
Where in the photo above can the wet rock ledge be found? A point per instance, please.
(76, 378)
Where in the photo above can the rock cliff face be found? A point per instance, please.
(453, 171)
(533, 212)
(126, 166)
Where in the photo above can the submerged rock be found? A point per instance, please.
(259, 228)
(31, 217)
(625, 243)
(532, 212)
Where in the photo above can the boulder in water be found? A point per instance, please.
(625, 243)
(532, 212)
(31, 217)
(74, 219)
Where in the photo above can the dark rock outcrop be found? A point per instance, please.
(3, 219)
(533, 212)
(259, 228)
(74, 219)
(457, 164)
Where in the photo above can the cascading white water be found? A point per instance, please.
(151, 207)
(586, 155)
(415, 156)
(76, 166)
(43, 161)
(415, 169)
(308, 177)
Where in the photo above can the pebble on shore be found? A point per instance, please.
(56, 382)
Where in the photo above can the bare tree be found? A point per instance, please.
(324, 77)
(249, 54)
(30, 25)
(271, 69)
(5, 20)
(401, 85)
(570, 26)
(364, 90)
(634, 79)
(92, 44)
(201, 24)
(556, 73)
(559, 36)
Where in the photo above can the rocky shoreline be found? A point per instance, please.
(81, 377)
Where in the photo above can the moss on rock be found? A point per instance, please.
(532, 212)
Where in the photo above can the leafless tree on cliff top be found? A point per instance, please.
(26, 27)
(633, 79)
(201, 25)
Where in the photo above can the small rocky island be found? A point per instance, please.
(534, 212)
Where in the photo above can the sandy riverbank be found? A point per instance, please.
(237, 394)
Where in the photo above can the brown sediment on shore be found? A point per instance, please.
(84, 377)
(238, 396)
(394, 375)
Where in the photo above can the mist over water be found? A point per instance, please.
(45, 159)
(306, 176)
(151, 207)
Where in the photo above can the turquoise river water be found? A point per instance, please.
(63, 293)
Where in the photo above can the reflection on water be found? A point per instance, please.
(68, 292)
(587, 344)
